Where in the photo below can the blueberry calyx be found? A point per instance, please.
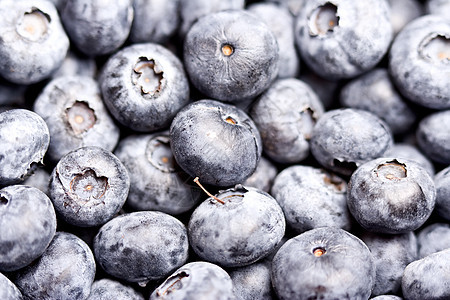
(173, 282)
(318, 251)
(3, 200)
(88, 185)
(436, 48)
(392, 170)
(307, 121)
(160, 155)
(80, 117)
(323, 20)
(148, 75)
(33, 25)
(334, 182)
(227, 49)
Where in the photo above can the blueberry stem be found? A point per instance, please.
(207, 193)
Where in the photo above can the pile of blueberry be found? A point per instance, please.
(211, 149)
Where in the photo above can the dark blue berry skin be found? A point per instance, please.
(107, 289)
(311, 198)
(89, 186)
(345, 138)
(433, 238)
(245, 228)
(27, 225)
(154, 21)
(253, 281)
(97, 27)
(227, 63)
(428, 278)
(281, 22)
(141, 246)
(24, 140)
(34, 42)
(263, 176)
(156, 181)
(285, 115)
(196, 280)
(403, 12)
(8, 290)
(65, 270)
(442, 182)
(144, 86)
(216, 142)
(391, 253)
(345, 38)
(417, 61)
(410, 152)
(433, 136)
(374, 92)
(323, 263)
(75, 115)
(391, 195)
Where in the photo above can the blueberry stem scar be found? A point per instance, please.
(207, 193)
(227, 50)
(319, 251)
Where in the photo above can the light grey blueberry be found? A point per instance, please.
(88, 186)
(323, 263)
(438, 7)
(442, 182)
(433, 238)
(285, 115)
(403, 12)
(411, 152)
(294, 6)
(419, 61)
(39, 179)
(433, 136)
(141, 246)
(240, 226)
(343, 38)
(387, 297)
(196, 280)
(144, 86)
(24, 140)
(34, 43)
(76, 116)
(253, 281)
(107, 289)
(343, 139)
(65, 270)
(326, 90)
(8, 290)
(27, 226)
(428, 278)
(263, 176)
(76, 64)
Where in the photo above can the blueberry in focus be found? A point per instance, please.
(89, 186)
(156, 181)
(65, 270)
(34, 42)
(198, 280)
(144, 86)
(216, 142)
(141, 246)
(323, 263)
(411, 152)
(285, 115)
(391, 195)
(237, 227)
(106, 289)
(74, 112)
(8, 290)
(253, 281)
(24, 140)
(227, 63)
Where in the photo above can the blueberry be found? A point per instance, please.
(196, 280)
(141, 246)
(281, 22)
(89, 186)
(342, 39)
(438, 7)
(418, 61)
(154, 21)
(386, 297)
(294, 6)
(253, 281)
(325, 89)
(391, 253)
(227, 63)
(343, 139)
(442, 182)
(97, 27)
(311, 198)
(75, 115)
(391, 195)
(263, 176)
(34, 42)
(285, 115)
(428, 278)
(374, 92)
(8, 290)
(107, 289)
(214, 141)
(403, 12)
(433, 136)
(410, 152)
(323, 263)
(39, 179)
(27, 225)
(24, 140)
(237, 227)
(156, 181)
(65, 270)
(433, 238)
(144, 86)
(75, 64)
